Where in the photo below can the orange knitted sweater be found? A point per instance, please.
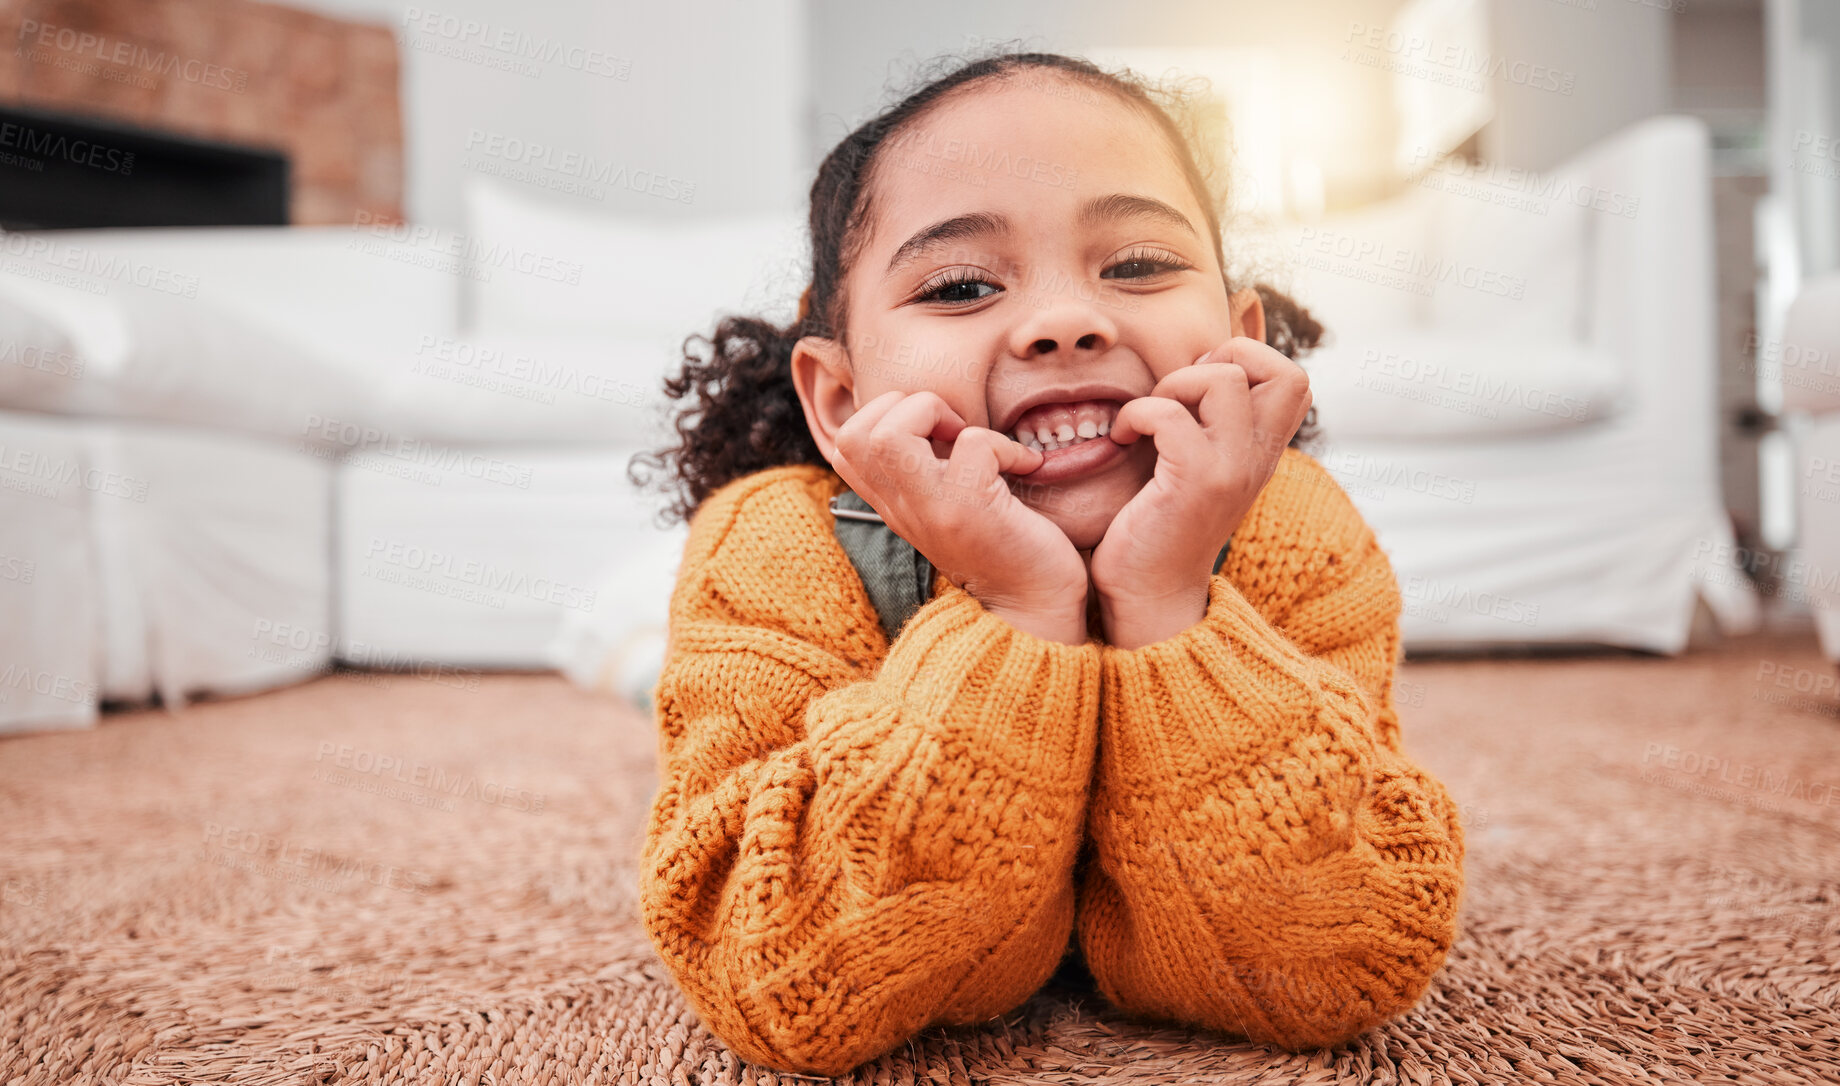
(854, 840)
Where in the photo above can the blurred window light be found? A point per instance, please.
(1777, 467)
(1307, 195)
(1438, 51)
(1817, 209)
(1246, 93)
(1779, 280)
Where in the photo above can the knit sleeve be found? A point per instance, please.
(1266, 860)
(842, 853)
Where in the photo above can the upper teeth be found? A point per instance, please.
(1056, 426)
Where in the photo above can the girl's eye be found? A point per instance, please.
(957, 287)
(1143, 265)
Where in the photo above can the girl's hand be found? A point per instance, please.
(959, 511)
(1220, 426)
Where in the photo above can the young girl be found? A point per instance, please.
(1113, 684)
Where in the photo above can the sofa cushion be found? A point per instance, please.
(558, 389)
(143, 354)
(40, 366)
(1350, 270)
(1508, 253)
(348, 281)
(1407, 385)
(408, 393)
(232, 368)
(217, 368)
(560, 270)
(1806, 358)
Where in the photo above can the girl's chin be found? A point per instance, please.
(1085, 525)
(1084, 541)
(1084, 509)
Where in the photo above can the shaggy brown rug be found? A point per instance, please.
(430, 880)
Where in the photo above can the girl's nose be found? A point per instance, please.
(1063, 323)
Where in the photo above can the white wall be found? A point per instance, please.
(738, 100)
(1817, 178)
(1618, 54)
(1335, 109)
(710, 108)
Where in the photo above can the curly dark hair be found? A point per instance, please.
(738, 411)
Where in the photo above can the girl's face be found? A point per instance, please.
(1036, 258)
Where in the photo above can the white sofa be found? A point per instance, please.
(1806, 359)
(1517, 390)
(230, 458)
(167, 516)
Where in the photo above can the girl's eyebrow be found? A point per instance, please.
(1123, 205)
(973, 225)
(1099, 209)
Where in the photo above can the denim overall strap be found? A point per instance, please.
(897, 576)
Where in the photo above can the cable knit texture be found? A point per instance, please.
(855, 839)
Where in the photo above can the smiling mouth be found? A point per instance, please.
(1047, 427)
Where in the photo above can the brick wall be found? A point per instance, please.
(322, 90)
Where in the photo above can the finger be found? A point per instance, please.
(1183, 448)
(1261, 361)
(903, 440)
(979, 446)
(967, 481)
(853, 435)
(865, 479)
(925, 414)
(1160, 417)
(1215, 392)
(867, 415)
(1279, 387)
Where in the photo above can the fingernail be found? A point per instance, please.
(1203, 358)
